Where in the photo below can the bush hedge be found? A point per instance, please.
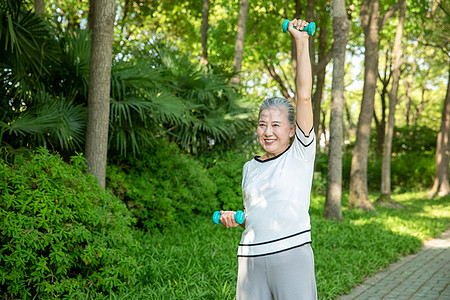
(163, 186)
(225, 168)
(61, 236)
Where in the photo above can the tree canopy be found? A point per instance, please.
(158, 87)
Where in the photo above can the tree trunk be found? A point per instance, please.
(205, 16)
(371, 23)
(297, 15)
(359, 194)
(319, 72)
(102, 13)
(351, 124)
(341, 30)
(240, 38)
(323, 127)
(309, 17)
(316, 101)
(423, 99)
(409, 84)
(381, 122)
(408, 90)
(441, 185)
(39, 7)
(387, 146)
(126, 7)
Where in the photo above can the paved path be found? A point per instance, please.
(424, 275)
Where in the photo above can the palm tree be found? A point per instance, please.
(29, 54)
(214, 111)
(139, 105)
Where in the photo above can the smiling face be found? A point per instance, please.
(274, 131)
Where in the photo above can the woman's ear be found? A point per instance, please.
(292, 131)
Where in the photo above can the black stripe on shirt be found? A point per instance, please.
(302, 142)
(276, 252)
(303, 131)
(280, 239)
(257, 158)
(307, 136)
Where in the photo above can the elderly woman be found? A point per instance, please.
(275, 257)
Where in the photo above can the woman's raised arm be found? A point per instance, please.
(303, 80)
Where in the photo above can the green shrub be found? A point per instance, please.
(412, 161)
(226, 171)
(412, 171)
(414, 138)
(61, 235)
(163, 186)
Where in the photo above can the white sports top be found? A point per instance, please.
(276, 196)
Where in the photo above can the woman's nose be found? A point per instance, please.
(268, 131)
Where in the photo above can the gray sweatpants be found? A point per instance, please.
(287, 275)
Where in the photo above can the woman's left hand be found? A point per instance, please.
(296, 32)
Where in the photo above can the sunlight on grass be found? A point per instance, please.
(438, 211)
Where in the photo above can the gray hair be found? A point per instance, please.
(279, 102)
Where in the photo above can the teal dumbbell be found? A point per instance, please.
(310, 29)
(238, 216)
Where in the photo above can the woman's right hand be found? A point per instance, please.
(227, 218)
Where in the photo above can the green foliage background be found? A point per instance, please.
(61, 235)
(163, 187)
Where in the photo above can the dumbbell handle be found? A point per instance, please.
(310, 29)
(238, 216)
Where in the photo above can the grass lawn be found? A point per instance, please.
(198, 261)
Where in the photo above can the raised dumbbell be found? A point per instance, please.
(238, 216)
(310, 29)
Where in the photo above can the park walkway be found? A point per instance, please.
(424, 275)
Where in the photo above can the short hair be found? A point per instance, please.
(279, 102)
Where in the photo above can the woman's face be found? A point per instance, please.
(274, 130)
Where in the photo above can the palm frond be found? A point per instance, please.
(71, 133)
(49, 120)
(125, 138)
(166, 107)
(74, 69)
(214, 110)
(133, 76)
(25, 38)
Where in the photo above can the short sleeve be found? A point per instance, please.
(304, 144)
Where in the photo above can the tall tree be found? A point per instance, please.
(439, 18)
(387, 146)
(205, 16)
(371, 24)
(324, 55)
(240, 38)
(297, 15)
(409, 84)
(441, 184)
(380, 122)
(101, 16)
(341, 30)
